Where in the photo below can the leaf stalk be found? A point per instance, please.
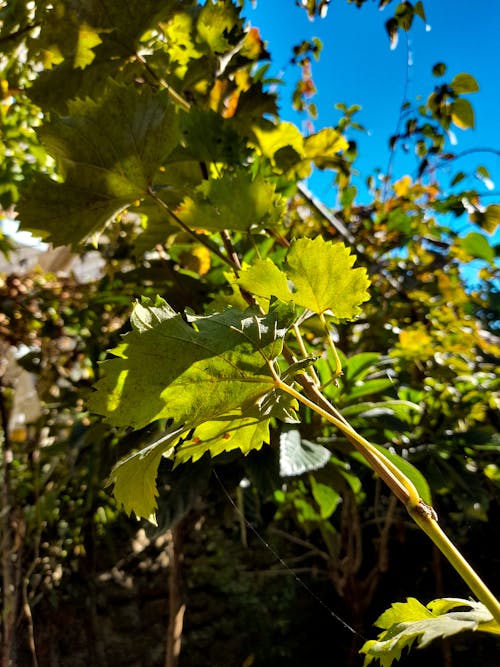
(424, 516)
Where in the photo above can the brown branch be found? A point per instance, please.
(9, 589)
(18, 33)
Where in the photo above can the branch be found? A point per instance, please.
(18, 33)
(424, 516)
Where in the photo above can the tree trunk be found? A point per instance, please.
(9, 587)
(176, 605)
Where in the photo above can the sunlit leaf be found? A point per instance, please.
(411, 472)
(88, 38)
(245, 429)
(324, 278)
(179, 35)
(464, 83)
(322, 147)
(476, 245)
(265, 280)
(215, 22)
(392, 28)
(326, 497)
(224, 434)
(462, 114)
(490, 219)
(272, 139)
(407, 622)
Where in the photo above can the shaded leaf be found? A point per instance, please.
(191, 373)
(107, 152)
(369, 387)
(399, 409)
(207, 137)
(359, 365)
(212, 206)
(134, 477)
(439, 69)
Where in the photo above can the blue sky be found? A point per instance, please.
(358, 67)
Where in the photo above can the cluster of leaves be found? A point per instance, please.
(171, 158)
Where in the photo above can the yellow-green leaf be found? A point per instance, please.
(464, 83)
(265, 280)
(324, 279)
(462, 114)
(406, 622)
(323, 147)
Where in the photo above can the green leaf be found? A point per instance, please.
(207, 137)
(369, 387)
(464, 83)
(189, 372)
(399, 409)
(215, 22)
(264, 280)
(213, 205)
(407, 622)
(107, 152)
(419, 10)
(88, 38)
(134, 477)
(459, 176)
(359, 365)
(462, 114)
(272, 139)
(439, 69)
(476, 245)
(179, 38)
(491, 218)
(224, 434)
(244, 429)
(411, 472)
(324, 280)
(325, 496)
(298, 456)
(323, 147)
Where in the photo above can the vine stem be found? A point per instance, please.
(424, 516)
(331, 345)
(431, 528)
